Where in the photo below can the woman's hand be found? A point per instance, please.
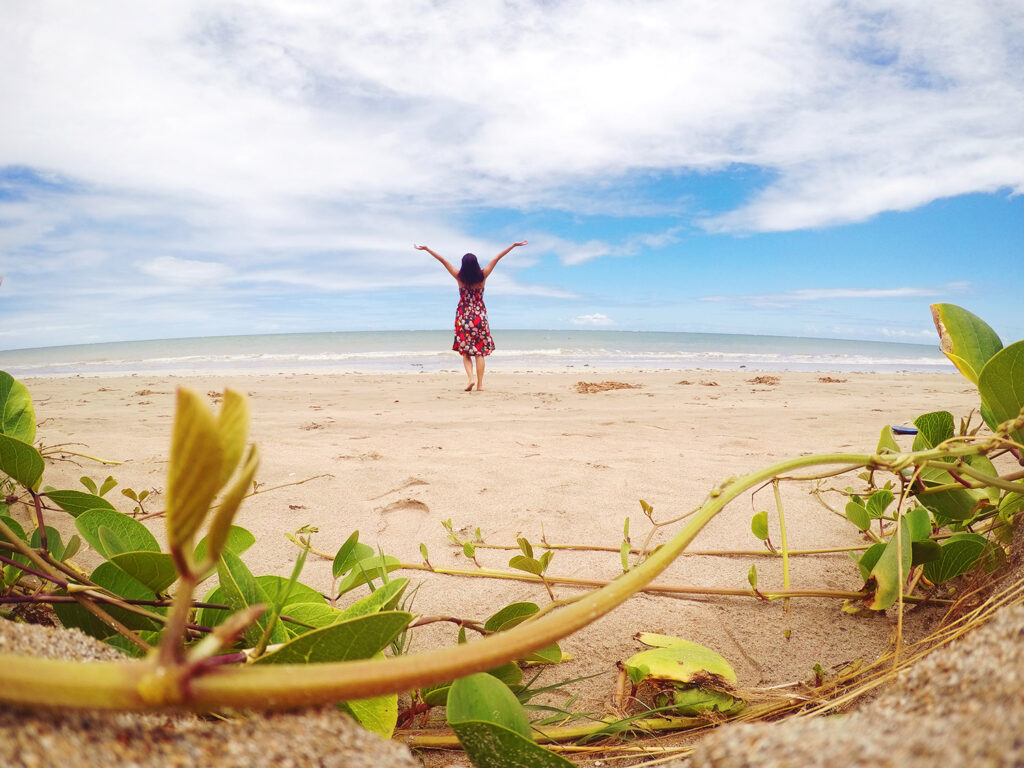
(522, 243)
(420, 247)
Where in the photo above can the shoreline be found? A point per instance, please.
(500, 369)
(400, 352)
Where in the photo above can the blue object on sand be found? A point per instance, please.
(905, 430)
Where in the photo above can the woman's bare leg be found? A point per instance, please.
(479, 372)
(467, 363)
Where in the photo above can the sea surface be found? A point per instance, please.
(431, 351)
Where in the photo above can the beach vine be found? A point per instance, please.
(928, 516)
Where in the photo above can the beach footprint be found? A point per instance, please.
(405, 526)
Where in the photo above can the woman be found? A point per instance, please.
(472, 332)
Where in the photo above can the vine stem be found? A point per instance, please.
(39, 518)
(652, 588)
(49, 451)
(690, 552)
(785, 546)
(143, 685)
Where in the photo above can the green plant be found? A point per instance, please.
(272, 642)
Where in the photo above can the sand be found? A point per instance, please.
(537, 455)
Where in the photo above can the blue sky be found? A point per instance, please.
(805, 168)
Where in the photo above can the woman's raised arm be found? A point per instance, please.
(447, 265)
(493, 262)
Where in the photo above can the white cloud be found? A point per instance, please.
(858, 108)
(573, 253)
(184, 271)
(908, 334)
(303, 144)
(596, 319)
(802, 295)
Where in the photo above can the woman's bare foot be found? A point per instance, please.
(468, 387)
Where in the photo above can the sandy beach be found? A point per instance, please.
(535, 455)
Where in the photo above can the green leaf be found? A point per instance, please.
(314, 614)
(238, 540)
(15, 527)
(378, 714)
(525, 546)
(858, 515)
(924, 551)
(10, 573)
(220, 525)
(869, 558)
(624, 556)
(759, 525)
(918, 523)
(932, 429)
(468, 549)
(367, 569)
(985, 466)
(510, 616)
(128, 647)
(350, 553)
(74, 544)
(382, 599)
(112, 544)
(274, 586)
(549, 654)
(233, 426)
(878, 502)
(510, 674)
(528, 564)
(887, 441)
(299, 595)
(358, 638)
(752, 576)
(89, 483)
(17, 416)
(884, 583)
(655, 640)
(109, 483)
(696, 700)
(194, 472)
(154, 569)
(1010, 506)
(241, 590)
(21, 462)
(1001, 385)
(53, 543)
(965, 339)
(132, 534)
(680, 661)
(958, 554)
(493, 746)
(484, 698)
(113, 579)
(77, 502)
(952, 504)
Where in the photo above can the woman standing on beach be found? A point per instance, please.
(472, 332)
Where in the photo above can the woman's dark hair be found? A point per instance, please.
(470, 272)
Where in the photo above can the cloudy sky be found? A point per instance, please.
(813, 168)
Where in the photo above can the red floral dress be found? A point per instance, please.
(472, 331)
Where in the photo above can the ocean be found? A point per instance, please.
(412, 351)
